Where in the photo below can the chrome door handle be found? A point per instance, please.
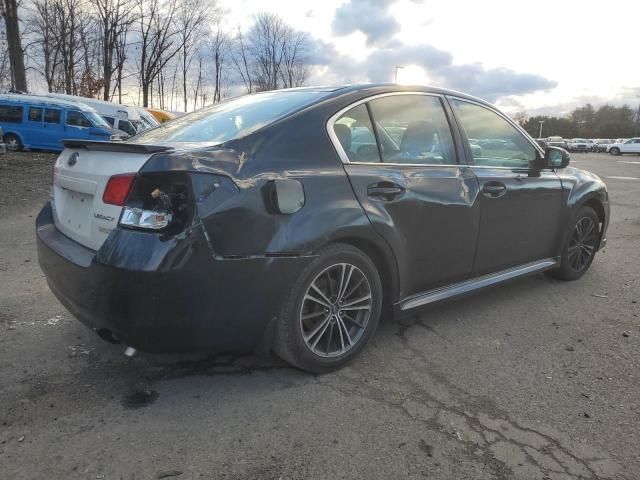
(385, 191)
(494, 189)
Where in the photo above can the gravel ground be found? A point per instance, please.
(537, 379)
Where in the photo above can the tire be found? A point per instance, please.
(306, 327)
(615, 151)
(580, 243)
(13, 143)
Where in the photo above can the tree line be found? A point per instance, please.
(171, 54)
(607, 121)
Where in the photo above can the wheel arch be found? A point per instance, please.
(13, 132)
(597, 206)
(383, 260)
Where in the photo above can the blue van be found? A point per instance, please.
(40, 123)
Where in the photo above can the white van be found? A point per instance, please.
(147, 120)
(118, 116)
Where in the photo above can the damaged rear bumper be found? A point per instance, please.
(168, 295)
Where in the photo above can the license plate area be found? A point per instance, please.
(74, 212)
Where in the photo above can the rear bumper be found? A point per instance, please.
(165, 295)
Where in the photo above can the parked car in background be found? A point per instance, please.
(601, 144)
(259, 222)
(631, 145)
(579, 145)
(556, 141)
(35, 122)
(147, 119)
(121, 117)
(161, 115)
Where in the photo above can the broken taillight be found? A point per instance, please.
(158, 201)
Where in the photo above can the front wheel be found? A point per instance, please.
(614, 151)
(581, 243)
(332, 311)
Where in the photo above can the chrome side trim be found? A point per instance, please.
(432, 165)
(475, 283)
(334, 138)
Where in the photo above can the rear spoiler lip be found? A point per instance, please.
(115, 146)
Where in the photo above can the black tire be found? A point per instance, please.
(586, 248)
(615, 151)
(13, 143)
(324, 272)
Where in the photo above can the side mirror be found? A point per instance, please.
(556, 157)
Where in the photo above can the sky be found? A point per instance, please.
(543, 57)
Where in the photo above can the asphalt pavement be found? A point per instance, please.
(535, 379)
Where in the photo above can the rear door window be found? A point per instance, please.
(354, 131)
(413, 129)
(51, 115)
(77, 119)
(11, 113)
(35, 114)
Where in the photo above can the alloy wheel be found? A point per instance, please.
(582, 244)
(335, 310)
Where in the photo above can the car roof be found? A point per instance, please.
(39, 100)
(379, 88)
(370, 89)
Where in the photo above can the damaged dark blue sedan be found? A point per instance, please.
(290, 220)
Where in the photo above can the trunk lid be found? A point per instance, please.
(80, 177)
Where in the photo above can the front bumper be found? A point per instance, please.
(165, 295)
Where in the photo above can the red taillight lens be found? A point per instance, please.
(118, 188)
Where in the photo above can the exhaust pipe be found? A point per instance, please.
(130, 352)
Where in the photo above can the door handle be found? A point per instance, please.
(494, 189)
(385, 191)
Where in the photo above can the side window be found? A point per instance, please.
(355, 134)
(51, 116)
(35, 114)
(493, 141)
(10, 114)
(77, 119)
(109, 120)
(413, 129)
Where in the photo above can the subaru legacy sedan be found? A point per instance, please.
(290, 220)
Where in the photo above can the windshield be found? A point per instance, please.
(97, 120)
(231, 119)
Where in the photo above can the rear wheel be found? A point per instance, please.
(13, 143)
(581, 243)
(332, 311)
(614, 151)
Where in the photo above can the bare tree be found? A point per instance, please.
(242, 61)
(219, 43)
(271, 56)
(294, 70)
(9, 10)
(191, 19)
(157, 45)
(44, 25)
(115, 17)
(267, 38)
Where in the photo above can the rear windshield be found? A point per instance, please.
(231, 119)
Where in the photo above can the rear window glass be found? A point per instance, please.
(10, 114)
(231, 119)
